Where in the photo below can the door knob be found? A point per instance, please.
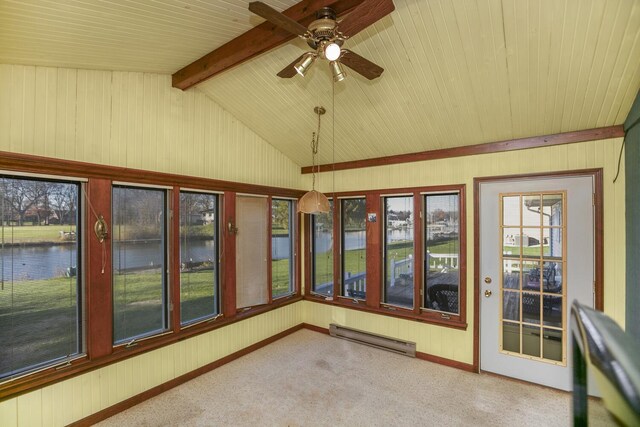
(487, 280)
(487, 293)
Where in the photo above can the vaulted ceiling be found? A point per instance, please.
(456, 72)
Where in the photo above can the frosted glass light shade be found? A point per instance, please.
(332, 51)
(313, 202)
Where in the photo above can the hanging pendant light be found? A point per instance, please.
(314, 202)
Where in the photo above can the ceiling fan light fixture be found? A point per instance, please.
(332, 51)
(303, 65)
(338, 71)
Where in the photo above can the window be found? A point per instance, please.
(442, 252)
(139, 262)
(354, 247)
(199, 272)
(398, 251)
(282, 248)
(251, 251)
(322, 261)
(40, 274)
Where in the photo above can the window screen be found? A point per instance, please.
(322, 261)
(442, 252)
(251, 251)
(354, 247)
(199, 272)
(282, 248)
(139, 262)
(40, 271)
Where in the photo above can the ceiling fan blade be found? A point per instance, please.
(277, 18)
(365, 14)
(288, 71)
(360, 65)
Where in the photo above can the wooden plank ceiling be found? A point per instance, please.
(456, 72)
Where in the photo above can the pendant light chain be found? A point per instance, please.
(315, 141)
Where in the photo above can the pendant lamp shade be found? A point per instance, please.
(313, 202)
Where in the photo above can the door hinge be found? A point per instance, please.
(593, 199)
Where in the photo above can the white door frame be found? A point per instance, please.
(598, 218)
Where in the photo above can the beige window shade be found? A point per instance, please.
(251, 251)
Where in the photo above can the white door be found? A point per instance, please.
(536, 257)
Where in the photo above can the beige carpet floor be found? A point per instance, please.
(311, 379)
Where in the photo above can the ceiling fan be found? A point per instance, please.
(325, 36)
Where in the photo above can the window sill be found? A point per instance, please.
(397, 312)
(24, 384)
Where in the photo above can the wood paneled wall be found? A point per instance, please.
(454, 344)
(133, 120)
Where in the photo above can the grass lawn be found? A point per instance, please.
(531, 251)
(34, 233)
(39, 318)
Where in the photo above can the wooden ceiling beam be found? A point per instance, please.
(259, 39)
(616, 131)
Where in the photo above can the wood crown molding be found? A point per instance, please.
(469, 150)
(257, 40)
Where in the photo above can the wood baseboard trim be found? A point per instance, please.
(469, 150)
(152, 392)
(315, 328)
(423, 356)
(446, 362)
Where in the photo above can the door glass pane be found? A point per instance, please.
(511, 211)
(552, 310)
(531, 238)
(282, 249)
(398, 251)
(511, 306)
(198, 256)
(552, 277)
(531, 340)
(531, 307)
(532, 282)
(322, 224)
(511, 337)
(511, 241)
(531, 275)
(511, 274)
(552, 238)
(531, 210)
(442, 249)
(354, 248)
(552, 344)
(553, 211)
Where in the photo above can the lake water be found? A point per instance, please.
(43, 262)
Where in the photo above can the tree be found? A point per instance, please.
(280, 214)
(21, 195)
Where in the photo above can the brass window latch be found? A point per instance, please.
(231, 228)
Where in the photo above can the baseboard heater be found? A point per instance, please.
(407, 348)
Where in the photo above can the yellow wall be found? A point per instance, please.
(454, 344)
(134, 120)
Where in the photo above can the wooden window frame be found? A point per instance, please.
(98, 309)
(375, 280)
